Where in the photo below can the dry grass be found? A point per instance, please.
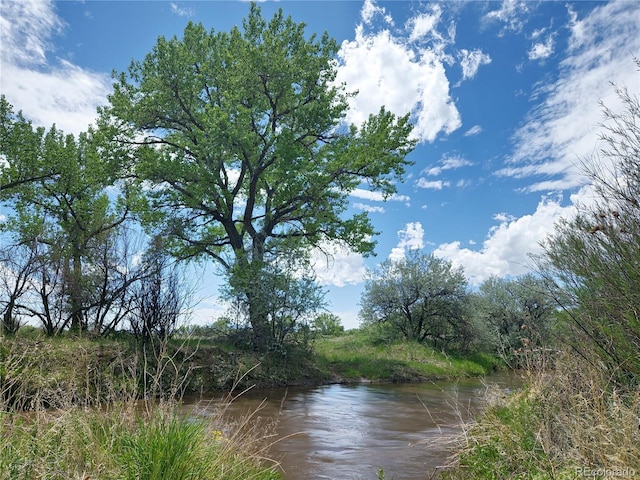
(569, 422)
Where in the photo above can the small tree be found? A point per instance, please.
(285, 295)
(423, 297)
(160, 297)
(518, 312)
(57, 188)
(18, 265)
(328, 324)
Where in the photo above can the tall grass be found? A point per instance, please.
(570, 422)
(75, 410)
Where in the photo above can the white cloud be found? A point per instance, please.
(564, 128)
(470, 61)
(424, 25)
(370, 10)
(512, 13)
(475, 130)
(27, 28)
(448, 163)
(411, 238)
(335, 264)
(180, 11)
(389, 70)
(377, 196)
(368, 208)
(542, 50)
(508, 246)
(432, 184)
(46, 92)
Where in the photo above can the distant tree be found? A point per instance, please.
(250, 147)
(422, 296)
(594, 258)
(328, 324)
(519, 313)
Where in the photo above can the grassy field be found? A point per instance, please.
(356, 357)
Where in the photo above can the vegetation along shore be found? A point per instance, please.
(229, 149)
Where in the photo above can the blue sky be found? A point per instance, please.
(504, 97)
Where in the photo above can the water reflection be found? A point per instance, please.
(351, 431)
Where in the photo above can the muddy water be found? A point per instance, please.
(348, 432)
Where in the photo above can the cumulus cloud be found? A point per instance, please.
(564, 127)
(46, 91)
(388, 69)
(508, 246)
(335, 264)
(410, 238)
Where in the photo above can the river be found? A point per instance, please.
(349, 432)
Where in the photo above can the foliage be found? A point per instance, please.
(282, 295)
(69, 224)
(421, 296)
(249, 145)
(328, 324)
(20, 147)
(594, 257)
(519, 314)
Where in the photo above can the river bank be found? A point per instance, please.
(59, 372)
(50, 388)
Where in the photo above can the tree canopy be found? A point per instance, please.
(250, 146)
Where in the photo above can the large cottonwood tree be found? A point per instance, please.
(250, 146)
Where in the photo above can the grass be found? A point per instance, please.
(72, 409)
(357, 356)
(568, 421)
(124, 443)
